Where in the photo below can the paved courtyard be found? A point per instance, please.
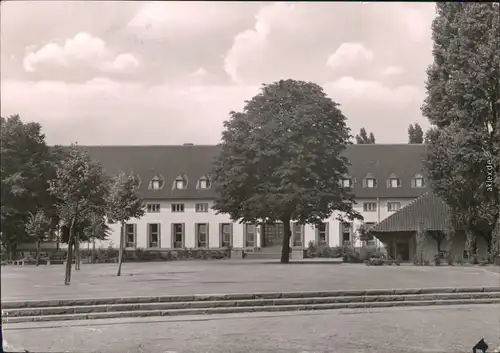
(396, 330)
(227, 276)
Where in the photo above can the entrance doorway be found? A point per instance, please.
(272, 234)
(403, 250)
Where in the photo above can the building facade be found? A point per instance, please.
(174, 182)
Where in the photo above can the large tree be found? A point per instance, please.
(364, 139)
(80, 187)
(463, 105)
(24, 170)
(415, 133)
(281, 159)
(123, 204)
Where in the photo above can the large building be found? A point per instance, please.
(176, 188)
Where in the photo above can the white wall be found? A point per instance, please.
(190, 217)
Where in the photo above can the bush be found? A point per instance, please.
(351, 255)
(323, 251)
(437, 260)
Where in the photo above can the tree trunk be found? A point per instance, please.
(469, 243)
(439, 239)
(38, 250)
(77, 251)
(120, 251)
(93, 251)
(69, 257)
(285, 249)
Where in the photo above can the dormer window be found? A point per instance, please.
(346, 183)
(417, 181)
(204, 183)
(180, 182)
(156, 183)
(393, 181)
(369, 181)
(137, 180)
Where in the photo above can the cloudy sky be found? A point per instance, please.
(169, 72)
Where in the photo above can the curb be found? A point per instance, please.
(240, 296)
(243, 309)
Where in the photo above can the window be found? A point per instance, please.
(156, 183)
(418, 181)
(393, 183)
(180, 182)
(369, 182)
(201, 207)
(130, 235)
(322, 234)
(177, 207)
(369, 225)
(226, 235)
(346, 183)
(369, 206)
(153, 207)
(250, 235)
(204, 183)
(202, 235)
(393, 206)
(298, 231)
(153, 235)
(346, 232)
(178, 235)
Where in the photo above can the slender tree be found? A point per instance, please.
(281, 159)
(79, 186)
(38, 228)
(463, 105)
(364, 139)
(123, 205)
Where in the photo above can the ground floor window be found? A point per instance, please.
(202, 235)
(250, 235)
(130, 235)
(346, 232)
(322, 234)
(153, 235)
(178, 235)
(298, 233)
(226, 235)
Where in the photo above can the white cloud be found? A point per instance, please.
(81, 49)
(393, 71)
(251, 44)
(350, 54)
(182, 18)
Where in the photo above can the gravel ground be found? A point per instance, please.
(397, 330)
(228, 276)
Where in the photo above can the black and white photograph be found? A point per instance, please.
(250, 177)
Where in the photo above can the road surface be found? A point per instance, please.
(396, 330)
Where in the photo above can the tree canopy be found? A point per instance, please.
(24, 171)
(463, 105)
(363, 139)
(415, 134)
(281, 159)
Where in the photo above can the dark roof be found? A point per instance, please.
(428, 211)
(403, 160)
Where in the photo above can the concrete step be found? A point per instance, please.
(85, 309)
(244, 309)
(262, 255)
(239, 296)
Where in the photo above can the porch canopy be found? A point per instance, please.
(428, 213)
